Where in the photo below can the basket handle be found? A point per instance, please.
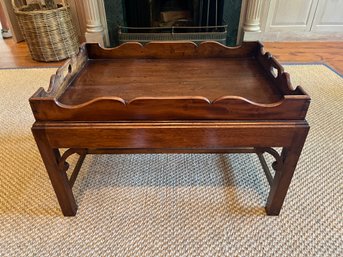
(64, 2)
(23, 2)
(15, 6)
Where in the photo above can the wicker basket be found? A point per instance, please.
(49, 33)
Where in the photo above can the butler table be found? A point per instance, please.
(168, 97)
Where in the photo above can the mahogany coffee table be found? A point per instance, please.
(170, 97)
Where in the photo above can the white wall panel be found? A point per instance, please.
(291, 15)
(329, 16)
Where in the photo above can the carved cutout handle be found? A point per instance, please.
(275, 67)
(65, 74)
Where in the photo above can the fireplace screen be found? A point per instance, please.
(195, 20)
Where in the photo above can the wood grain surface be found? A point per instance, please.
(330, 53)
(171, 81)
(211, 78)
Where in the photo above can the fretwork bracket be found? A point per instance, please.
(276, 165)
(64, 165)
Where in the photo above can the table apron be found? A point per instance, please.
(174, 135)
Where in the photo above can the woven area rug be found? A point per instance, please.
(168, 204)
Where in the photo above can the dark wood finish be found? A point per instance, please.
(158, 135)
(207, 98)
(283, 176)
(265, 168)
(76, 170)
(212, 78)
(160, 81)
(59, 180)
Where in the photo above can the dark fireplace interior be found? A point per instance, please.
(169, 13)
(195, 20)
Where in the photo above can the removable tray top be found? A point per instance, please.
(170, 81)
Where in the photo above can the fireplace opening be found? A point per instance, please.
(168, 13)
(196, 20)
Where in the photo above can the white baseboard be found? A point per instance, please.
(293, 36)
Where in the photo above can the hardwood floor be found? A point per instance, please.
(14, 55)
(330, 53)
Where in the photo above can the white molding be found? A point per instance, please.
(301, 36)
(328, 9)
(253, 16)
(271, 26)
(252, 36)
(95, 31)
(103, 19)
(257, 35)
(92, 14)
(264, 14)
(240, 33)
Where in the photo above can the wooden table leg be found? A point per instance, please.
(283, 176)
(58, 177)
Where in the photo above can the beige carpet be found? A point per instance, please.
(172, 205)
